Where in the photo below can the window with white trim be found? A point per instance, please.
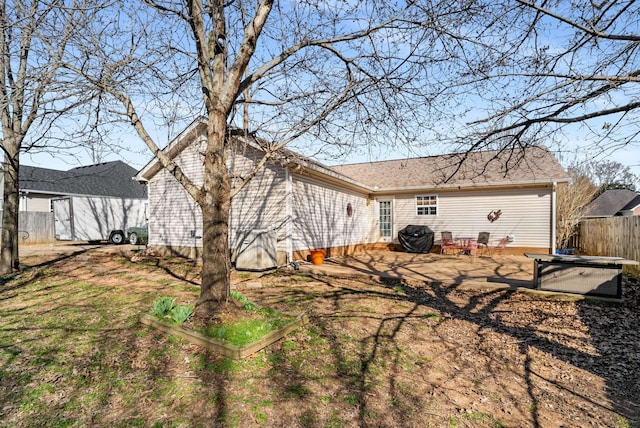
(427, 205)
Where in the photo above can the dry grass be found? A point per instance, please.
(374, 354)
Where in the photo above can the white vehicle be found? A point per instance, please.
(97, 218)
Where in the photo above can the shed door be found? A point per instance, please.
(62, 219)
(385, 220)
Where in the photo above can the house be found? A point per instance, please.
(38, 186)
(348, 208)
(613, 203)
(89, 203)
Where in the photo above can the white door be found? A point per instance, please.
(385, 220)
(62, 219)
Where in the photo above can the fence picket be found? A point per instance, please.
(612, 237)
(35, 227)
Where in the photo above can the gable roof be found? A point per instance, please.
(530, 165)
(634, 203)
(104, 179)
(527, 166)
(610, 202)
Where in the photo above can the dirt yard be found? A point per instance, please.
(383, 353)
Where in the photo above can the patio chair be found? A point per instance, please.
(448, 244)
(483, 241)
(497, 247)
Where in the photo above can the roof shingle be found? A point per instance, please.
(530, 165)
(609, 203)
(105, 179)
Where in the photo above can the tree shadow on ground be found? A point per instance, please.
(534, 336)
(611, 329)
(72, 351)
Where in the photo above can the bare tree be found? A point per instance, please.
(571, 199)
(321, 76)
(549, 72)
(588, 180)
(35, 93)
(609, 174)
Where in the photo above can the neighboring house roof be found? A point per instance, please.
(475, 169)
(611, 202)
(104, 179)
(633, 204)
(527, 166)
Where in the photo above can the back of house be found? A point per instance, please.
(351, 208)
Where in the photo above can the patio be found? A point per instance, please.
(483, 271)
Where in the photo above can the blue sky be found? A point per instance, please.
(140, 155)
(135, 153)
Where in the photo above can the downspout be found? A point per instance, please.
(553, 217)
(288, 215)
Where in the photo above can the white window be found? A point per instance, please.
(427, 205)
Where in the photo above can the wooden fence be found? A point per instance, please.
(35, 228)
(613, 237)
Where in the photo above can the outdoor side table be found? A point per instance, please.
(589, 275)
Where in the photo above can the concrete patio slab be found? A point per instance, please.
(462, 270)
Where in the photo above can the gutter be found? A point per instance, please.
(289, 215)
(58, 195)
(553, 217)
(504, 184)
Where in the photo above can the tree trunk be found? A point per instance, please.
(9, 237)
(215, 202)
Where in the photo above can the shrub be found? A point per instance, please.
(165, 307)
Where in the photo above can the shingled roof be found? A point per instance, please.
(474, 169)
(610, 203)
(104, 179)
(526, 166)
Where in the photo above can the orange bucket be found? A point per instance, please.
(317, 257)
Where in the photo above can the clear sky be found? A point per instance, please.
(139, 155)
(135, 153)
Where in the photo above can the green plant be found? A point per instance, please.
(162, 306)
(181, 313)
(249, 330)
(246, 304)
(352, 400)
(623, 422)
(476, 416)
(431, 315)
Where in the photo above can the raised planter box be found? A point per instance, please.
(218, 346)
(588, 275)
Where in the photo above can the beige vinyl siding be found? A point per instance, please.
(262, 203)
(319, 216)
(174, 214)
(526, 214)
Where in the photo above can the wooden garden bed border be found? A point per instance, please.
(218, 346)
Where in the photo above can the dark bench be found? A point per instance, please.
(589, 275)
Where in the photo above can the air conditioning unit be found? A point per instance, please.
(257, 250)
